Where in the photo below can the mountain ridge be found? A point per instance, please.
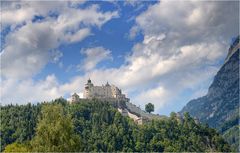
(220, 105)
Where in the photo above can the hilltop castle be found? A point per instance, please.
(111, 93)
(105, 93)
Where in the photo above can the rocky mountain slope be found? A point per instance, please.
(220, 107)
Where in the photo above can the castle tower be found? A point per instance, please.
(75, 98)
(88, 87)
(107, 84)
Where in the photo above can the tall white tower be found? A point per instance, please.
(88, 87)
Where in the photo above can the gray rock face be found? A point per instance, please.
(221, 103)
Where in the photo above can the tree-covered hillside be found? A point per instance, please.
(98, 126)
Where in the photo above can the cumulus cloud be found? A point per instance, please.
(78, 36)
(16, 16)
(158, 96)
(133, 32)
(93, 57)
(28, 49)
(27, 90)
(24, 91)
(186, 42)
(195, 20)
(180, 51)
(30, 46)
(15, 13)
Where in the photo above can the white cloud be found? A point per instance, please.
(93, 57)
(191, 20)
(181, 44)
(148, 39)
(78, 36)
(16, 16)
(15, 13)
(56, 55)
(180, 51)
(31, 46)
(133, 32)
(16, 91)
(28, 50)
(157, 96)
(27, 90)
(71, 19)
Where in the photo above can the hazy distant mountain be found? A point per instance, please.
(220, 107)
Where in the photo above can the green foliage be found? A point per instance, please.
(232, 137)
(149, 107)
(97, 126)
(230, 132)
(18, 123)
(17, 147)
(55, 131)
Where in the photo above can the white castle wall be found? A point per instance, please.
(103, 92)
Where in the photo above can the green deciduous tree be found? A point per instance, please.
(17, 147)
(55, 132)
(149, 107)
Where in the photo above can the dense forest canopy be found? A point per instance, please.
(92, 125)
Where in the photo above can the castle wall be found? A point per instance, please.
(75, 98)
(100, 91)
(106, 92)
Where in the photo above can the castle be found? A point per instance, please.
(105, 93)
(111, 93)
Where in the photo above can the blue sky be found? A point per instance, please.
(113, 35)
(163, 52)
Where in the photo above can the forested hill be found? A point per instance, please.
(97, 126)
